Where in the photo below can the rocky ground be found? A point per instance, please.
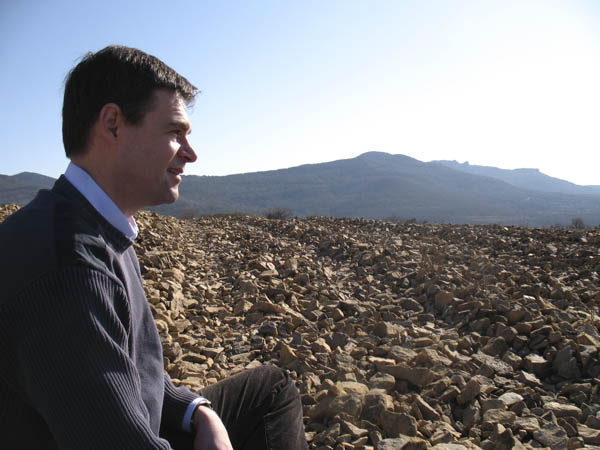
(399, 335)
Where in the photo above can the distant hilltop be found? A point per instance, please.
(466, 163)
(525, 178)
(375, 185)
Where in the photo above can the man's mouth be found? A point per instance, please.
(175, 170)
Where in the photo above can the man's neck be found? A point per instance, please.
(100, 200)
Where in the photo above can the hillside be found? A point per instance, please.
(525, 178)
(399, 336)
(373, 185)
(379, 185)
(21, 188)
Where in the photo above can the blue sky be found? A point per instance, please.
(510, 83)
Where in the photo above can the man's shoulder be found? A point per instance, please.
(51, 232)
(49, 216)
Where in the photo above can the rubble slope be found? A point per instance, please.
(399, 335)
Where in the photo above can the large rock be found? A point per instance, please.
(563, 410)
(590, 436)
(552, 435)
(419, 376)
(402, 443)
(395, 424)
(537, 365)
(565, 364)
(498, 416)
(469, 392)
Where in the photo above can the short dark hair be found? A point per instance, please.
(116, 74)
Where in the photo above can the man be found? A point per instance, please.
(82, 363)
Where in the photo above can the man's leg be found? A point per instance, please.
(261, 409)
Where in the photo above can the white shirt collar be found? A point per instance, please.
(94, 194)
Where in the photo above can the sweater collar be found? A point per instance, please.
(65, 188)
(94, 194)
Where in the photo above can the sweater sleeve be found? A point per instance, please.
(176, 402)
(70, 333)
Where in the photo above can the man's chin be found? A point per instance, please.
(173, 197)
(167, 198)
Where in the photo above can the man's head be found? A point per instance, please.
(121, 75)
(125, 122)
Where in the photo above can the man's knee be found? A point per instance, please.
(279, 382)
(269, 375)
(270, 372)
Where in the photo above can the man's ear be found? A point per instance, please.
(110, 119)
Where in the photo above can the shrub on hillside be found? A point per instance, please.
(228, 214)
(577, 222)
(187, 214)
(278, 213)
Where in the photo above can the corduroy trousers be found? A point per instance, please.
(260, 408)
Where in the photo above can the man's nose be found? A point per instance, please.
(188, 152)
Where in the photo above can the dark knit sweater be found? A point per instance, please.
(81, 362)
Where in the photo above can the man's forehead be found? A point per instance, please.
(178, 116)
(169, 103)
(163, 97)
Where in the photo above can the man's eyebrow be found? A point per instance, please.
(182, 124)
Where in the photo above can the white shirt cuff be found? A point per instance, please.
(189, 412)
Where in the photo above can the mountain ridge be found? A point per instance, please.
(380, 185)
(527, 178)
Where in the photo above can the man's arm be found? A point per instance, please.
(210, 431)
(176, 406)
(73, 362)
